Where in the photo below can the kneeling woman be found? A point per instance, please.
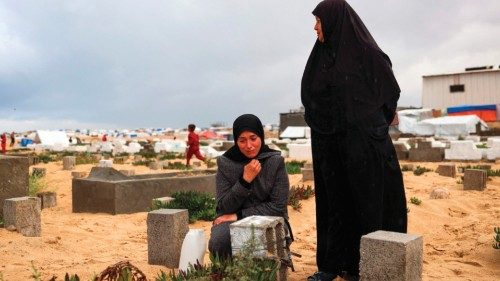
(251, 180)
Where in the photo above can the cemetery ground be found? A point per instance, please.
(457, 232)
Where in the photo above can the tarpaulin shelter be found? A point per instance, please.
(486, 112)
(51, 138)
(296, 132)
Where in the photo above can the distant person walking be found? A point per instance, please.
(104, 137)
(12, 139)
(4, 142)
(193, 143)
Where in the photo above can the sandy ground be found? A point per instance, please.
(458, 233)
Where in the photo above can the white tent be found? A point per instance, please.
(58, 138)
(296, 132)
(449, 126)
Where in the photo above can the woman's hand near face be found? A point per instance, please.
(251, 170)
(225, 218)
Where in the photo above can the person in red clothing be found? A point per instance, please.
(193, 145)
(4, 143)
(104, 137)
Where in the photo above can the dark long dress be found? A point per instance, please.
(350, 94)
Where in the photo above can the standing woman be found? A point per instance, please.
(350, 95)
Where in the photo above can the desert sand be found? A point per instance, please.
(457, 232)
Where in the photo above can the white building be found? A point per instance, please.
(475, 86)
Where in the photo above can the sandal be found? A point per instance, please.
(322, 276)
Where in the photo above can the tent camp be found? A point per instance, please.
(51, 138)
(296, 132)
(444, 126)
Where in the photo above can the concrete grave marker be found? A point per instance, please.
(166, 231)
(447, 170)
(48, 199)
(69, 162)
(389, 256)
(23, 213)
(14, 175)
(269, 235)
(475, 179)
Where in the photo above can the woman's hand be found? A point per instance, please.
(251, 170)
(225, 218)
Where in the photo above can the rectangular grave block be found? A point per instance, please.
(475, 179)
(23, 213)
(387, 256)
(166, 231)
(14, 175)
(447, 170)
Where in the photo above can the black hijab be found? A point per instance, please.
(348, 50)
(246, 122)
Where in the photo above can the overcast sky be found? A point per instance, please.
(131, 64)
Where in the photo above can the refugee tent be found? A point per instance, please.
(209, 135)
(450, 126)
(51, 138)
(409, 118)
(487, 112)
(296, 132)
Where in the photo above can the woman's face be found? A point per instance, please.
(249, 144)
(319, 32)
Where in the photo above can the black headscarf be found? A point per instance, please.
(246, 122)
(348, 50)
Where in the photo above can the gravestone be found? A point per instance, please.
(166, 231)
(269, 236)
(154, 165)
(307, 174)
(447, 170)
(475, 179)
(120, 160)
(424, 152)
(106, 163)
(23, 213)
(389, 256)
(14, 175)
(48, 199)
(69, 162)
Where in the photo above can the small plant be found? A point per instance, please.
(201, 206)
(148, 154)
(35, 274)
(45, 158)
(420, 171)
(482, 145)
(496, 243)
(1, 224)
(84, 158)
(142, 162)
(415, 201)
(122, 271)
(169, 156)
(293, 167)
(299, 193)
(460, 180)
(405, 168)
(176, 166)
(35, 184)
(460, 137)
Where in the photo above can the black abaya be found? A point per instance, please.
(349, 93)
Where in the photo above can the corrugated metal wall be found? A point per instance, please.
(480, 88)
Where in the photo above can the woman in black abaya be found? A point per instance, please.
(350, 95)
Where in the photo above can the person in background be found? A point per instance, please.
(193, 144)
(12, 139)
(350, 96)
(104, 137)
(3, 142)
